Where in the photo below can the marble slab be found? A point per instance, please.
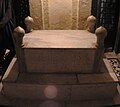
(59, 39)
(95, 78)
(51, 79)
(59, 60)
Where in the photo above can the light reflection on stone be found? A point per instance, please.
(50, 91)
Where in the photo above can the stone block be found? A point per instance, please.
(93, 91)
(60, 39)
(37, 92)
(57, 51)
(11, 73)
(91, 103)
(50, 79)
(1, 85)
(59, 60)
(97, 78)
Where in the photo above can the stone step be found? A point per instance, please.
(37, 103)
(106, 76)
(61, 87)
(63, 79)
(13, 102)
(68, 86)
(60, 92)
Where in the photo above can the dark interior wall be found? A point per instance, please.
(21, 9)
(94, 7)
(106, 12)
(117, 44)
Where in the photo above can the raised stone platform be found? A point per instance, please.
(60, 67)
(70, 87)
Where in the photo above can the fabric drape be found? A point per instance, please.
(7, 25)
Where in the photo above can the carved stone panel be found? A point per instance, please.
(60, 14)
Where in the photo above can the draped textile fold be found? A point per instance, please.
(7, 25)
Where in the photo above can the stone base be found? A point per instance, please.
(64, 92)
(36, 103)
(70, 90)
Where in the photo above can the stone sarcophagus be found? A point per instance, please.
(60, 65)
(60, 51)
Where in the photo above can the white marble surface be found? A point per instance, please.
(84, 12)
(60, 14)
(36, 13)
(59, 60)
(59, 39)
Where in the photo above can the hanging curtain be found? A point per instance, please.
(7, 25)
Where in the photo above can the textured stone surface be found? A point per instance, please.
(36, 13)
(75, 12)
(84, 12)
(95, 103)
(59, 61)
(28, 94)
(36, 78)
(59, 51)
(63, 93)
(36, 91)
(36, 103)
(45, 14)
(93, 91)
(11, 73)
(1, 85)
(60, 14)
(60, 39)
(95, 78)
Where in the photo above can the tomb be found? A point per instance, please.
(61, 68)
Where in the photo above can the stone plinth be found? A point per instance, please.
(70, 87)
(59, 51)
(59, 60)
